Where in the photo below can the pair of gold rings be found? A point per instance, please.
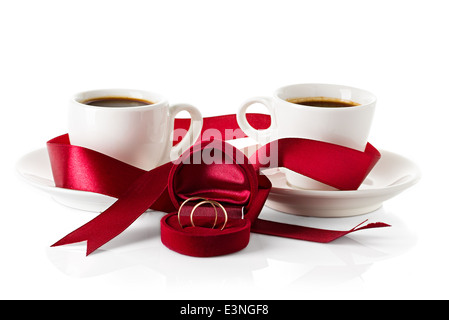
(214, 204)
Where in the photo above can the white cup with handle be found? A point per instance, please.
(133, 126)
(331, 113)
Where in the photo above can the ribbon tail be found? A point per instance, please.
(137, 199)
(306, 233)
(101, 229)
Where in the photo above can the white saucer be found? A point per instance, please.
(391, 175)
(35, 169)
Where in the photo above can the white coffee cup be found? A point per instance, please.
(138, 135)
(347, 126)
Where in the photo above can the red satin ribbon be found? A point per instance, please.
(334, 165)
(137, 190)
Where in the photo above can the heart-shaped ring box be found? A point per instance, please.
(218, 172)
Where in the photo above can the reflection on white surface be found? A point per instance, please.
(268, 263)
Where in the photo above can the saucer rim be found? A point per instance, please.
(414, 177)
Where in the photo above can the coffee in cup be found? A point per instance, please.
(116, 102)
(323, 102)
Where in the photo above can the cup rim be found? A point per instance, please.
(156, 99)
(371, 97)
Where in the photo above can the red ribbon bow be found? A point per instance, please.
(137, 190)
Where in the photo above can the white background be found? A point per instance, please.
(215, 54)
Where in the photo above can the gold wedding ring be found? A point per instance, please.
(182, 205)
(205, 201)
(199, 204)
(213, 203)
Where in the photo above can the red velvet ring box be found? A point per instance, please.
(221, 173)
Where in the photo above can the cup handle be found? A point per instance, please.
(196, 124)
(261, 136)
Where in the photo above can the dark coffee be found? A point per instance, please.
(323, 102)
(117, 102)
